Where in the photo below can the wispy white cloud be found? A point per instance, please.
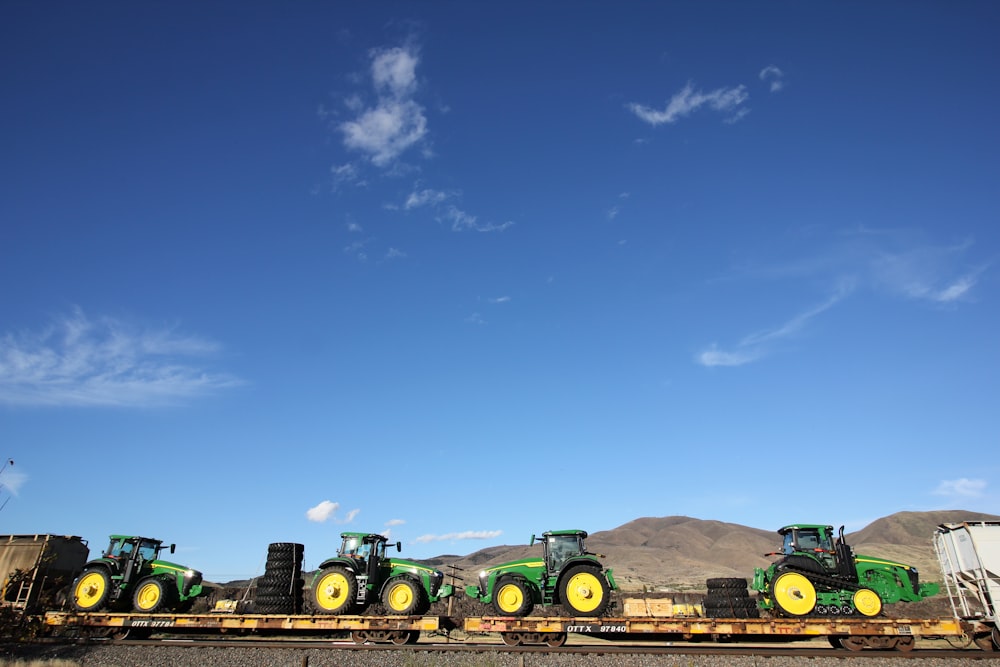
(756, 345)
(928, 273)
(322, 512)
(396, 122)
(688, 100)
(466, 535)
(394, 522)
(425, 197)
(327, 511)
(462, 221)
(713, 356)
(897, 263)
(105, 362)
(459, 220)
(499, 299)
(962, 488)
(774, 77)
(475, 318)
(12, 480)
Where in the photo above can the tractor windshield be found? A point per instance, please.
(350, 546)
(120, 547)
(809, 540)
(149, 549)
(561, 548)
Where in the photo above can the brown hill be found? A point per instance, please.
(677, 553)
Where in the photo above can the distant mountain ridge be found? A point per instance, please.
(677, 553)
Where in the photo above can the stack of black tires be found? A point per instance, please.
(728, 598)
(279, 591)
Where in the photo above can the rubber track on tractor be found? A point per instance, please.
(828, 583)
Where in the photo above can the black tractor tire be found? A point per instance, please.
(344, 602)
(729, 593)
(285, 549)
(153, 595)
(404, 596)
(725, 583)
(731, 612)
(91, 590)
(600, 591)
(286, 584)
(716, 600)
(287, 569)
(502, 591)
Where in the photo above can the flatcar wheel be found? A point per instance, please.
(853, 643)
(555, 639)
(404, 637)
(905, 644)
(511, 638)
(985, 642)
(359, 636)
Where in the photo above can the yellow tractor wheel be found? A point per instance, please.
(584, 591)
(335, 591)
(867, 602)
(512, 598)
(92, 590)
(794, 594)
(150, 596)
(403, 596)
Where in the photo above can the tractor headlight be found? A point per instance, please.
(436, 579)
(483, 576)
(192, 578)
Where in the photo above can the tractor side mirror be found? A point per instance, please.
(399, 546)
(173, 548)
(532, 542)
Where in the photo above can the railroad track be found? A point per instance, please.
(316, 652)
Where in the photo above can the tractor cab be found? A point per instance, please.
(361, 545)
(818, 542)
(810, 540)
(126, 547)
(367, 551)
(560, 546)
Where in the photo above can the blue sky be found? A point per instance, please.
(463, 272)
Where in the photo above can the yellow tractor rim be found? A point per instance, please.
(148, 596)
(400, 597)
(332, 591)
(583, 592)
(794, 593)
(867, 602)
(90, 589)
(510, 598)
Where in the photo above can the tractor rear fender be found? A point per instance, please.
(355, 565)
(587, 562)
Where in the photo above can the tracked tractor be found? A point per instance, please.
(362, 573)
(130, 574)
(566, 574)
(818, 574)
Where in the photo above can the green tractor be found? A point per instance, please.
(566, 574)
(130, 574)
(820, 575)
(361, 573)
